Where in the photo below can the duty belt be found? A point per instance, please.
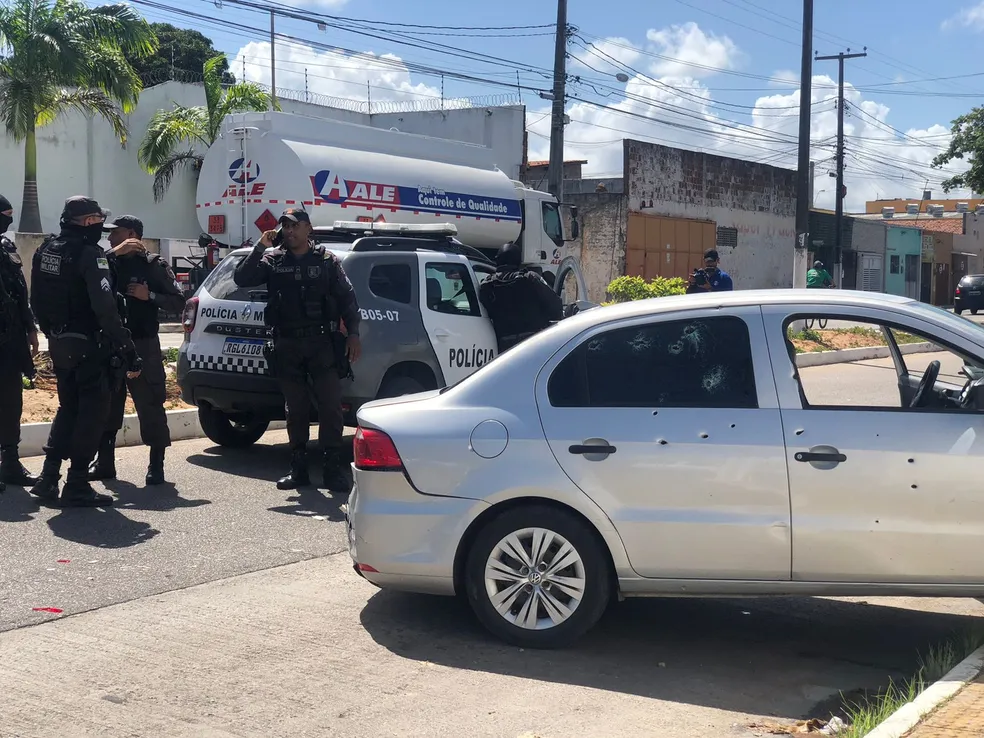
(308, 332)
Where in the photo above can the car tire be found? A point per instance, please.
(591, 568)
(223, 430)
(400, 385)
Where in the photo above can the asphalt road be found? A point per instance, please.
(302, 646)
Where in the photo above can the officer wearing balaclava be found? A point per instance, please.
(18, 345)
(73, 294)
(519, 302)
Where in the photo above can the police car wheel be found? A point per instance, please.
(538, 577)
(400, 385)
(238, 431)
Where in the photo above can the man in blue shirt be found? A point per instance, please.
(717, 279)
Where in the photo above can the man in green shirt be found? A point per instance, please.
(818, 277)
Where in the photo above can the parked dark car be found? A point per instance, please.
(969, 294)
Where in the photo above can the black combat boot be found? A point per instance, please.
(155, 470)
(12, 471)
(298, 476)
(78, 492)
(104, 467)
(46, 487)
(334, 476)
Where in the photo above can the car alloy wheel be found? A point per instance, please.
(538, 576)
(535, 578)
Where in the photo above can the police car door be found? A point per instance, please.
(456, 324)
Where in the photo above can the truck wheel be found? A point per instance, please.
(537, 577)
(400, 385)
(239, 431)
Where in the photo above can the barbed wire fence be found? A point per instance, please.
(373, 107)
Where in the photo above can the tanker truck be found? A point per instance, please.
(262, 163)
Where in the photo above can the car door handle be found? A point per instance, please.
(441, 334)
(578, 449)
(808, 456)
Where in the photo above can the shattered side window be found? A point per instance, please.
(702, 363)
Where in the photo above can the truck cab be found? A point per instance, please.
(423, 326)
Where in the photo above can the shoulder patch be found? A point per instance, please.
(102, 263)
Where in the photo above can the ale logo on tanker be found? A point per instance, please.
(330, 187)
(244, 174)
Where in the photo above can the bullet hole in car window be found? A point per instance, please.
(674, 363)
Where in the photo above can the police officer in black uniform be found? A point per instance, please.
(149, 286)
(308, 293)
(74, 298)
(518, 300)
(18, 346)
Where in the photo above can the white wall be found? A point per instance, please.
(77, 156)
(757, 199)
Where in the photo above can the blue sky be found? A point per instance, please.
(714, 75)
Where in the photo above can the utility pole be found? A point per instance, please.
(273, 64)
(803, 167)
(839, 197)
(555, 169)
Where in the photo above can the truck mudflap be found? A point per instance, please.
(570, 265)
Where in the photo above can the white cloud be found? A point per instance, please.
(598, 60)
(784, 78)
(330, 73)
(688, 43)
(970, 17)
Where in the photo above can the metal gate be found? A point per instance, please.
(872, 272)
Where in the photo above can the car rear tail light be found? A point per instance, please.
(190, 316)
(374, 450)
(958, 291)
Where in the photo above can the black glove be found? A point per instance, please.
(134, 363)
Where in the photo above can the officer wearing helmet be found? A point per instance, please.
(18, 344)
(518, 300)
(73, 294)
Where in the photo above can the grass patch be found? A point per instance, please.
(832, 339)
(866, 714)
(170, 355)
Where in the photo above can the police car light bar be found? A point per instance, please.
(437, 229)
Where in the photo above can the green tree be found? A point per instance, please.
(179, 49)
(64, 56)
(163, 153)
(967, 142)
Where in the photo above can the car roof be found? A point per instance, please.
(343, 250)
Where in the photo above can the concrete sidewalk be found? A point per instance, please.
(962, 716)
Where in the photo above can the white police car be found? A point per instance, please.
(423, 326)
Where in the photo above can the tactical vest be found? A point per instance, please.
(9, 276)
(298, 292)
(60, 297)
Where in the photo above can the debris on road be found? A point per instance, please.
(816, 726)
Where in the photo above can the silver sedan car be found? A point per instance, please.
(669, 447)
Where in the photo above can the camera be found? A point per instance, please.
(700, 277)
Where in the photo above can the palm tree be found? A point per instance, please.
(60, 56)
(161, 153)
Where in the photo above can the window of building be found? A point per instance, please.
(895, 264)
(727, 238)
(392, 282)
(450, 289)
(701, 363)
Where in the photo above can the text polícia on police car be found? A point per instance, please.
(473, 357)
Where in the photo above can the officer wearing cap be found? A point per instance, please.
(149, 286)
(74, 299)
(309, 293)
(18, 344)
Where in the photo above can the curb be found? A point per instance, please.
(908, 716)
(843, 356)
(183, 425)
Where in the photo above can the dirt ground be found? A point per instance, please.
(812, 340)
(41, 402)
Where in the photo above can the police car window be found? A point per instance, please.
(450, 289)
(392, 282)
(700, 363)
(221, 285)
